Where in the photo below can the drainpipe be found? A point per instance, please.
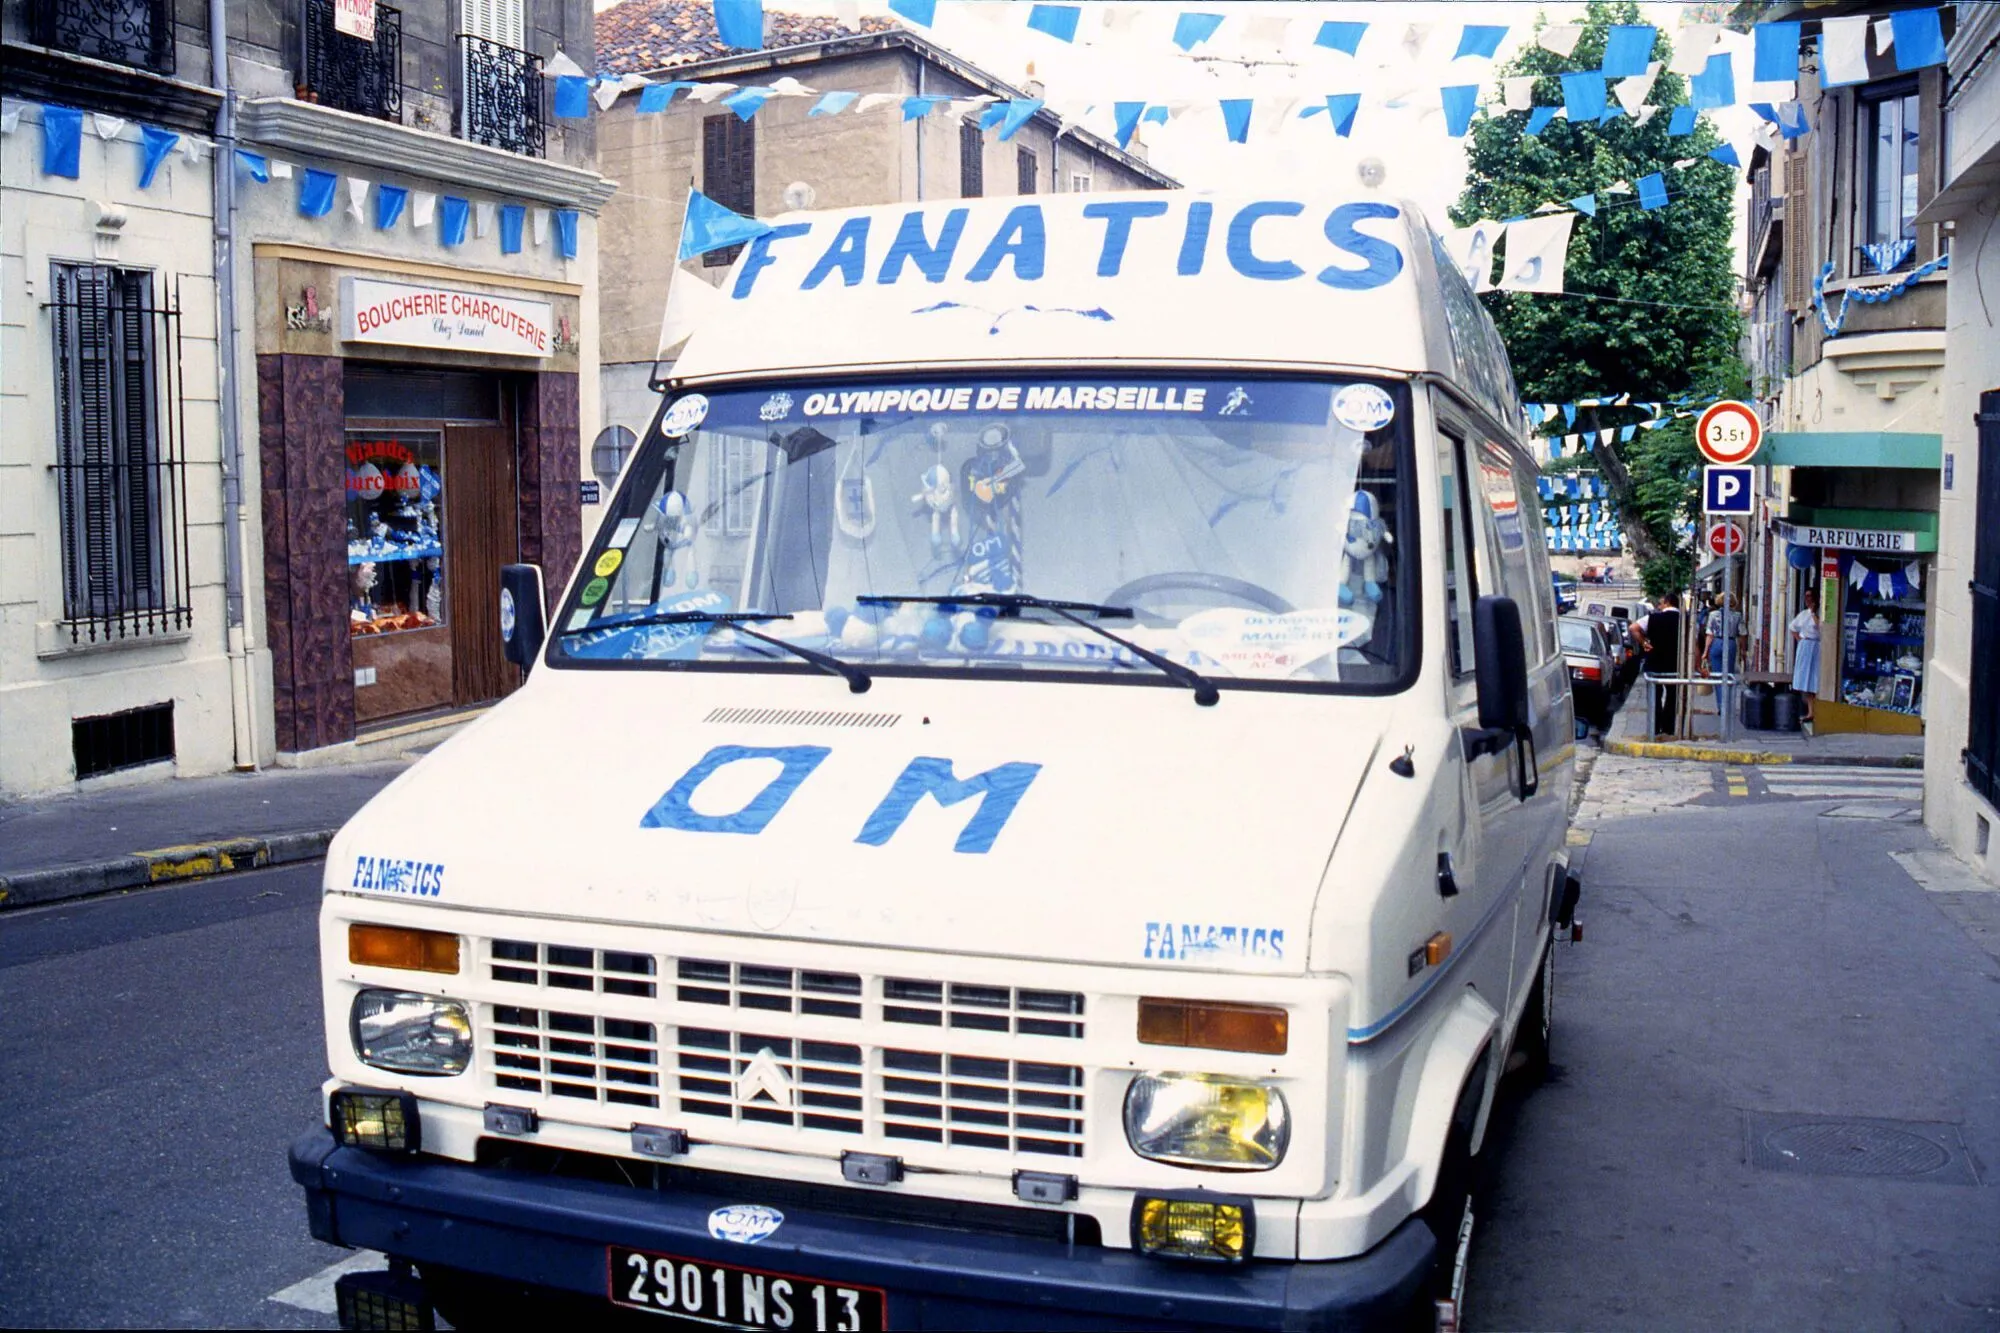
(242, 699)
(921, 62)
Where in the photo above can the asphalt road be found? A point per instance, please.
(162, 1049)
(1752, 956)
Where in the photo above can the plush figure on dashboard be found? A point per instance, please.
(1366, 564)
(940, 496)
(993, 560)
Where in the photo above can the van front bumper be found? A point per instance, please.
(551, 1233)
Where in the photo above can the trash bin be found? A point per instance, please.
(1786, 710)
(1757, 707)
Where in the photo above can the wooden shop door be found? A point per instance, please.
(480, 537)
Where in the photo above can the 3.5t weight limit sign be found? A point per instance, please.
(1729, 432)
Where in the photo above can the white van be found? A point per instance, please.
(1043, 803)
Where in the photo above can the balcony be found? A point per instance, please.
(139, 33)
(500, 96)
(348, 73)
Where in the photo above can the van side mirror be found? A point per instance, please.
(1500, 652)
(523, 619)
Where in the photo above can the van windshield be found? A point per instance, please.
(1255, 530)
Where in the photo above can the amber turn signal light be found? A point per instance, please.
(402, 947)
(1437, 948)
(1213, 1025)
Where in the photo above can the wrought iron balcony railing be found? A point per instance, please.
(124, 32)
(350, 73)
(500, 96)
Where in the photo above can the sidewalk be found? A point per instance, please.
(1627, 736)
(75, 844)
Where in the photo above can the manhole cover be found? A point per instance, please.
(1830, 1146)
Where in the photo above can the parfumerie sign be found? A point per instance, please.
(411, 316)
(1888, 541)
(356, 18)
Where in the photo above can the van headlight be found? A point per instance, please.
(412, 1034)
(1207, 1120)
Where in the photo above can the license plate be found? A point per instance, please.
(732, 1297)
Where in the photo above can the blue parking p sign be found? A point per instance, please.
(1726, 490)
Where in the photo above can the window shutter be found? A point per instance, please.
(1027, 173)
(729, 172)
(1798, 233)
(971, 160)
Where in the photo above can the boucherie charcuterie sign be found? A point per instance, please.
(412, 316)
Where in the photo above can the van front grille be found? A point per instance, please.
(727, 1044)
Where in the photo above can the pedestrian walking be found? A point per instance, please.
(1720, 648)
(1805, 651)
(1658, 636)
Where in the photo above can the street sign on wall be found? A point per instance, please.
(1727, 490)
(1725, 538)
(1729, 432)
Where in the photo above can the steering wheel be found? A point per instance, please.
(1242, 590)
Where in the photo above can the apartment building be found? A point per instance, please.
(1846, 345)
(277, 414)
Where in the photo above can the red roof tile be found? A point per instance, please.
(642, 35)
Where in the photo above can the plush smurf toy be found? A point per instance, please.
(1367, 564)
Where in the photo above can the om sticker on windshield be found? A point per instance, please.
(1270, 645)
(1364, 407)
(686, 413)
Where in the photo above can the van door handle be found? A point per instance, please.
(1447, 880)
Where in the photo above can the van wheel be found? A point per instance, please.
(1532, 1042)
(1449, 1215)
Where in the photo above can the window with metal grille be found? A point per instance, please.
(120, 483)
(971, 160)
(729, 173)
(112, 741)
(1982, 749)
(1026, 171)
(124, 32)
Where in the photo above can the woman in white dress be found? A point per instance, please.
(1805, 651)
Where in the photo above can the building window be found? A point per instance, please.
(1889, 240)
(124, 32)
(729, 173)
(1026, 171)
(500, 83)
(119, 479)
(1982, 748)
(362, 75)
(971, 160)
(1079, 182)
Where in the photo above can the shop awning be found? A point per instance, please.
(1851, 448)
(1716, 568)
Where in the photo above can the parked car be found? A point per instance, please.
(1618, 617)
(1593, 676)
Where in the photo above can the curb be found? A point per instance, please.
(139, 870)
(1717, 754)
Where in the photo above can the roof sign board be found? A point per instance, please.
(405, 315)
(1884, 541)
(1148, 277)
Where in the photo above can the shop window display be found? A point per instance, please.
(395, 531)
(1882, 635)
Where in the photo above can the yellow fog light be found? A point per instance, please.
(1194, 1226)
(1206, 1120)
(384, 1121)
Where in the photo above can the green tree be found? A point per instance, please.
(1650, 300)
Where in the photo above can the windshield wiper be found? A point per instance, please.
(857, 680)
(1013, 603)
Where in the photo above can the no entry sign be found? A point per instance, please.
(1725, 539)
(1729, 432)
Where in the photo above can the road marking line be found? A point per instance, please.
(316, 1292)
(1578, 837)
(1739, 781)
